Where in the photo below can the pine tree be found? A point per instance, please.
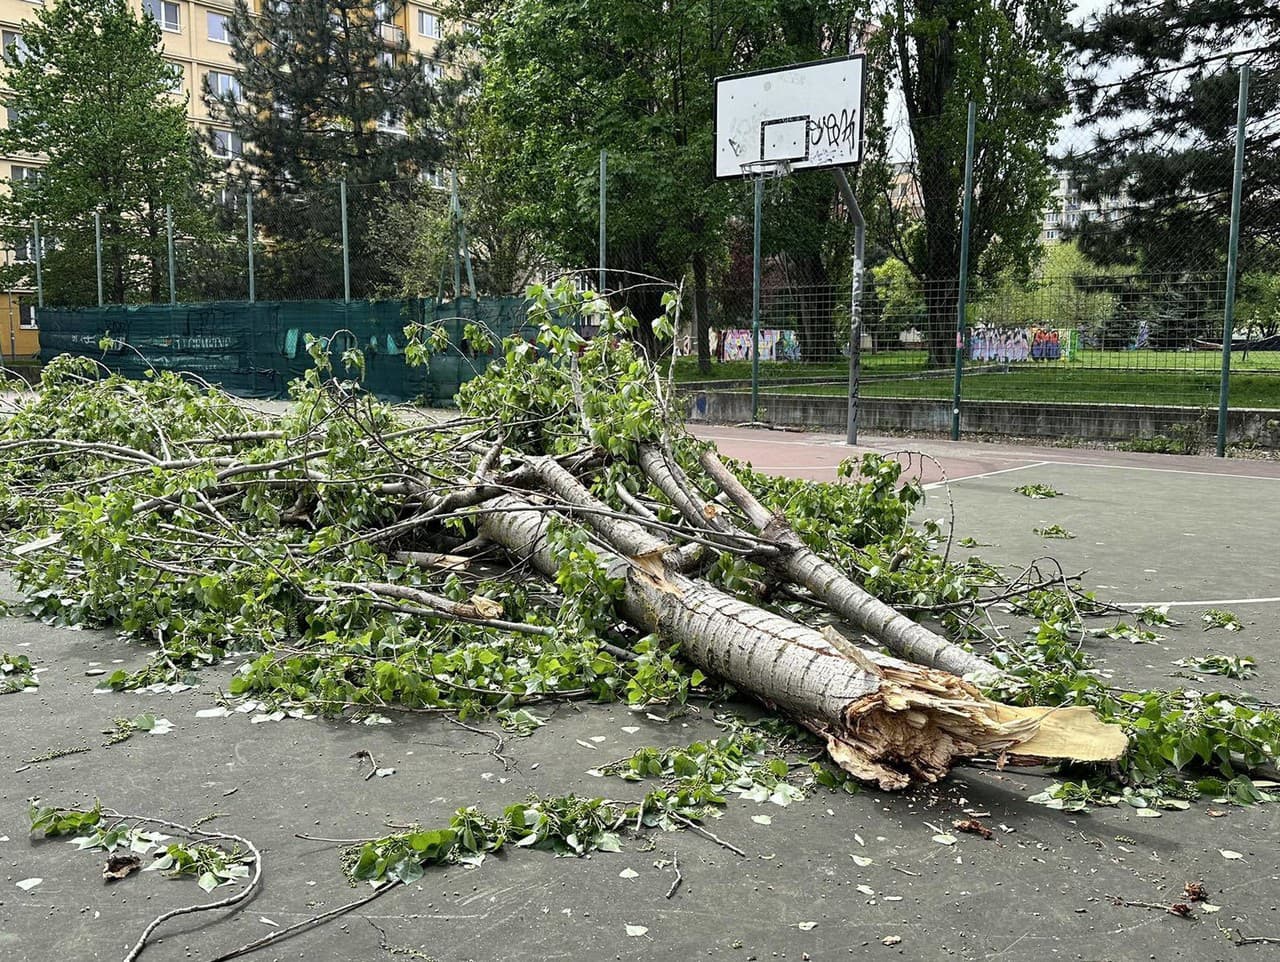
(1159, 83)
(92, 96)
(327, 90)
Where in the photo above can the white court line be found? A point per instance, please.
(986, 474)
(801, 444)
(1212, 603)
(1134, 467)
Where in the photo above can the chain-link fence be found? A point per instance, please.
(1099, 281)
(249, 242)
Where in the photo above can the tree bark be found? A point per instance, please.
(701, 313)
(883, 720)
(795, 562)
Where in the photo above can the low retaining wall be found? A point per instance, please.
(1041, 419)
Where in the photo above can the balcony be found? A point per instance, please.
(391, 33)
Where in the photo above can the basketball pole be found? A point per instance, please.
(755, 302)
(855, 302)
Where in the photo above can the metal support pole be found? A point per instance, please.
(97, 250)
(173, 262)
(39, 265)
(1233, 250)
(346, 247)
(855, 303)
(604, 211)
(457, 247)
(966, 212)
(248, 210)
(462, 238)
(755, 302)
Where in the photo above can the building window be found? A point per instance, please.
(26, 316)
(178, 77)
(430, 25)
(12, 40)
(219, 27)
(23, 173)
(391, 123)
(431, 70)
(382, 11)
(1053, 217)
(22, 251)
(435, 176)
(1051, 234)
(11, 115)
(166, 14)
(226, 144)
(223, 85)
(387, 59)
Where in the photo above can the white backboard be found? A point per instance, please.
(809, 115)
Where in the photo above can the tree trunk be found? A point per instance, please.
(798, 564)
(701, 312)
(883, 720)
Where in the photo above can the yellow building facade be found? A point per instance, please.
(196, 38)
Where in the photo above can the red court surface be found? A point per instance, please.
(815, 456)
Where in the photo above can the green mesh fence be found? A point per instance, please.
(256, 349)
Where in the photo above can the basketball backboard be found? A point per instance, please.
(808, 116)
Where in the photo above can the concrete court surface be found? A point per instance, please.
(1148, 528)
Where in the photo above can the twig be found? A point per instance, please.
(499, 740)
(675, 863)
(305, 923)
(1254, 939)
(1177, 908)
(227, 902)
(905, 871)
(689, 823)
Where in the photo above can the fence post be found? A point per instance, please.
(97, 250)
(39, 266)
(755, 302)
(966, 211)
(173, 265)
(604, 210)
(462, 236)
(346, 250)
(855, 303)
(1233, 249)
(248, 209)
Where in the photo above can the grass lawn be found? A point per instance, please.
(913, 362)
(1068, 384)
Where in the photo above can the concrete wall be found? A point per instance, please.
(1093, 422)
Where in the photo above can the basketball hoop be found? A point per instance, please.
(766, 169)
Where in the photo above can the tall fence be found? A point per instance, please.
(1115, 300)
(257, 349)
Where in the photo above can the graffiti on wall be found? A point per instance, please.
(775, 345)
(1010, 344)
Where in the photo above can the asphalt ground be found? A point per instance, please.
(1194, 533)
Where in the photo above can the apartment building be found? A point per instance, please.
(1066, 208)
(196, 38)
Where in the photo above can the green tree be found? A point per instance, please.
(564, 79)
(1157, 86)
(92, 96)
(327, 89)
(1007, 56)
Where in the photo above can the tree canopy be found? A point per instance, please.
(325, 93)
(92, 103)
(1008, 57)
(1158, 84)
(564, 80)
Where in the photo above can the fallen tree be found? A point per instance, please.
(562, 537)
